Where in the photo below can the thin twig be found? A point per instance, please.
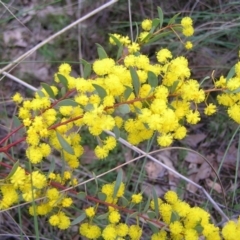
(19, 81)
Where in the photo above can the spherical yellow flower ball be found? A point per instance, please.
(147, 24)
(171, 197)
(114, 217)
(186, 22)
(188, 45)
(163, 55)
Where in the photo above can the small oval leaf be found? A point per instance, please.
(79, 219)
(116, 131)
(147, 204)
(87, 68)
(65, 145)
(127, 92)
(102, 196)
(115, 40)
(123, 201)
(160, 15)
(100, 90)
(118, 183)
(135, 80)
(174, 217)
(48, 89)
(152, 79)
(173, 19)
(67, 102)
(124, 109)
(151, 214)
(153, 227)
(159, 36)
(101, 52)
(40, 93)
(63, 80)
(102, 216)
(13, 170)
(133, 215)
(231, 73)
(155, 200)
(81, 195)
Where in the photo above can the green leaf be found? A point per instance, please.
(147, 204)
(204, 79)
(63, 91)
(234, 91)
(13, 170)
(48, 89)
(118, 183)
(137, 110)
(173, 19)
(63, 80)
(17, 123)
(176, 28)
(87, 68)
(199, 228)
(100, 90)
(79, 219)
(116, 131)
(116, 40)
(174, 217)
(159, 36)
(67, 102)
(133, 215)
(152, 79)
(145, 40)
(160, 15)
(102, 216)
(101, 52)
(155, 200)
(146, 126)
(64, 144)
(89, 107)
(124, 201)
(135, 80)
(127, 92)
(52, 166)
(151, 214)
(155, 23)
(81, 195)
(120, 52)
(174, 86)
(102, 196)
(137, 30)
(40, 93)
(153, 227)
(231, 73)
(124, 109)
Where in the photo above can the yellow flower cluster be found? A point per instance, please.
(36, 185)
(186, 222)
(160, 97)
(181, 220)
(231, 96)
(115, 229)
(187, 25)
(108, 190)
